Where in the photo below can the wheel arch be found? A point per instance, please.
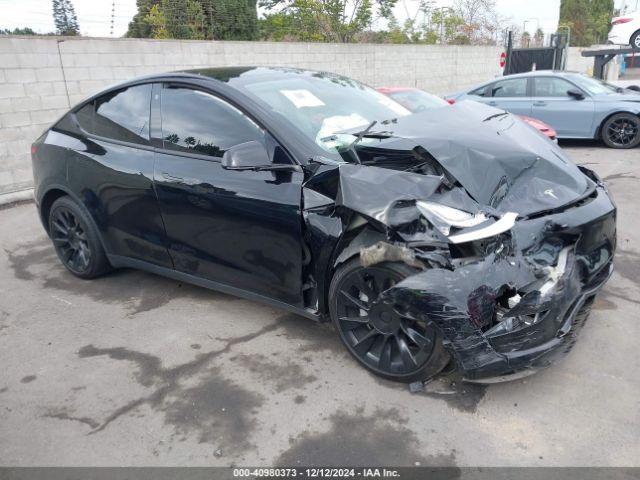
(47, 202)
(598, 134)
(347, 247)
(53, 193)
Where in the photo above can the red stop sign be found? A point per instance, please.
(503, 59)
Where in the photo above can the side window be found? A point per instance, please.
(551, 87)
(198, 122)
(121, 115)
(479, 92)
(85, 117)
(515, 87)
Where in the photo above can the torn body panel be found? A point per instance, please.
(510, 239)
(551, 266)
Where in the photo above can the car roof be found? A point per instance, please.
(232, 77)
(535, 73)
(543, 73)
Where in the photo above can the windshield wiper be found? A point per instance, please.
(366, 133)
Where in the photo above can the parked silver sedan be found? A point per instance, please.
(575, 105)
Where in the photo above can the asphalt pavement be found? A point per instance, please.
(135, 369)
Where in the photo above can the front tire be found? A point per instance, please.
(621, 130)
(76, 240)
(389, 345)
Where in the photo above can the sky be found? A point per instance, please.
(94, 16)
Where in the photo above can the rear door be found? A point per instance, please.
(112, 174)
(569, 116)
(239, 228)
(510, 94)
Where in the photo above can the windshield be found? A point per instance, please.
(329, 109)
(595, 86)
(417, 100)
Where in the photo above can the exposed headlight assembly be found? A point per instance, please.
(447, 217)
(443, 218)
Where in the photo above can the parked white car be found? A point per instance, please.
(625, 30)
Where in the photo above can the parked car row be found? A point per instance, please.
(575, 105)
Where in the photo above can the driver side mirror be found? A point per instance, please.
(251, 156)
(246, 156)
(575, 93)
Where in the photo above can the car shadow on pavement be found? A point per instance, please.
(134, 290)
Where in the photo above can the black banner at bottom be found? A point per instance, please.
(312, 473)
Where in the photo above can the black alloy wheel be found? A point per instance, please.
(75, 240)
(622, 131)
(70, 241)
(390, 345)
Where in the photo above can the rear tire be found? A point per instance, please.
(635, 41)
(393, 347)
(76, 240)
(621, 130)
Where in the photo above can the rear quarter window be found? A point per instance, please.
(120, 115)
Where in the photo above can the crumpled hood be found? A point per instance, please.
(500, 161)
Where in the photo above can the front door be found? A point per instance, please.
(569, 116)
(239, 228)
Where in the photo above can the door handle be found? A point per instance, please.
(539, 104)
(171, 178)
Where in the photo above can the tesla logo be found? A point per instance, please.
(550, 193)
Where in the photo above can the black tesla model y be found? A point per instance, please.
(458, 237)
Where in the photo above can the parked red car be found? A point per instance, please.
(417, 100)
(540, 125)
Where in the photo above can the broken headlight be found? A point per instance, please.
(444, 217)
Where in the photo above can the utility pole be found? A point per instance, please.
(113, 14)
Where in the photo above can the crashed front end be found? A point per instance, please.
(519, 300)
(509, 239)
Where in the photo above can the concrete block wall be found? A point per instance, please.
(578, 63)
(42, 77)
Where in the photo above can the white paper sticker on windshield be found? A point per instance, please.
(337, 123)
(302, 98)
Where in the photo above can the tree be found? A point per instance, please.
(139, 27)
(64, 18)
(589, 20)
(538, 38)
(525, 40)
(195, 19)
(155, 23)
(17, 31)
(426, 26)
(339, 21)
(232, 19)
(480, 21)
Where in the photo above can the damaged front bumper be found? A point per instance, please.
(519, 306)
